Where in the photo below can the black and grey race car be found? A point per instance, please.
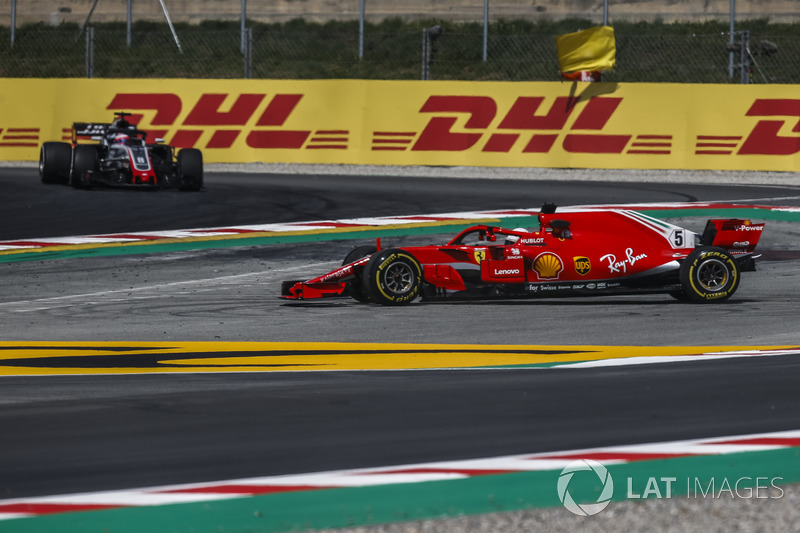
(120, 156)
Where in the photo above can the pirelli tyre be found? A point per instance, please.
(55, 162)
(709, 274)
(392, 277)
(85, 163)
(190, 169)
(355, 289)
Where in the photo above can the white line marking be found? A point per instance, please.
(646, 360)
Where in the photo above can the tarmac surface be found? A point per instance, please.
(131, 430)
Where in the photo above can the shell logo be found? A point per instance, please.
(548, 265)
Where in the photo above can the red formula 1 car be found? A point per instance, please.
(572, 253)
(119, 157)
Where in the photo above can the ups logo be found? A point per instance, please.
(582, 265)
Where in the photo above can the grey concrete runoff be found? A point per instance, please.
(732, 177)
(527, 173)
(678, 515)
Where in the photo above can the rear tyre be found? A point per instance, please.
(392, 277)
(84, 163)
(190, 169)
(355, 288)
(55, 162)
(709, 274)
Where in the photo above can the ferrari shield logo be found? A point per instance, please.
(480, 255)
(582, 265)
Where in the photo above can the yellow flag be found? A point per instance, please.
(592, 49)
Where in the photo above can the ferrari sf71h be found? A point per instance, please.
(119, 157)
(588, 252)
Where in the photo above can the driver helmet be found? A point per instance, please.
(513, 239)
(121, 138)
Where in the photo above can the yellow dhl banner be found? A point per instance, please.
(491, 124)
(592, 49)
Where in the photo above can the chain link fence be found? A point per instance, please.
(393, 50)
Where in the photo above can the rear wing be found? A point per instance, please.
(88, 131)
(737, 236)
(96, 131)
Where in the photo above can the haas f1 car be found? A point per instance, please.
(120, 156)
(573, 253)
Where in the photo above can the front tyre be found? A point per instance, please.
(84, 165)
(355, 288)
(55, 162)
(190, 169)
(709, 274)
(392, 277)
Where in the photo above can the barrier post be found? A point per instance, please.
(90, 52)
(429, 37)
(13, 21)
(248, 54)
(424, 54)
(744, 57)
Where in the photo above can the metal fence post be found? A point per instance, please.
(248, 53)
(243, 23)
(89, 52)
(485, 30)
(361, 10)
(429, 36)
(744, 57)
(13, 21)
(732, 38)
(425, 55)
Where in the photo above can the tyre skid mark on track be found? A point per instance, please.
(394, 475)
(127, 294)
